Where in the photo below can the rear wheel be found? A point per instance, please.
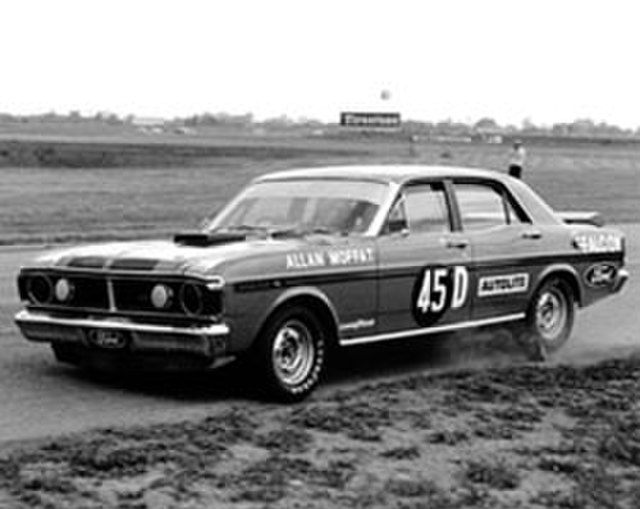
(550, 318)
(291, 353)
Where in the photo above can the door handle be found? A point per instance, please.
(457, 243)
(532, 234)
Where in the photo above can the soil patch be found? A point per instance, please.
(525, 436)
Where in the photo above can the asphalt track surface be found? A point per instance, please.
(40, 398)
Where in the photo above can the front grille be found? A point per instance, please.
(123, 294)
(89, 293)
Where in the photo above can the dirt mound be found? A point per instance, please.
(527, 436)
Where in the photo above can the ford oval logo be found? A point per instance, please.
(602, 274)
(108, 339)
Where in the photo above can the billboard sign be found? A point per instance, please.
(366, 120)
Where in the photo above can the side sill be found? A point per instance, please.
(431, 330)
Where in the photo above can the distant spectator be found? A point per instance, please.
(517, 159)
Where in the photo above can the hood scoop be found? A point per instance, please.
(202, 239)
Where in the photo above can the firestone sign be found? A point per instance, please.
(370, 120)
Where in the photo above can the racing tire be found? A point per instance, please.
(290, 354)
(549, 319)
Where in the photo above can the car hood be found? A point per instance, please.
(265, 255)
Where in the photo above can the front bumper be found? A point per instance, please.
(208, 342)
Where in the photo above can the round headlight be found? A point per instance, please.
(39, 289)
(161, 296)
(64, 290)
(191, 299)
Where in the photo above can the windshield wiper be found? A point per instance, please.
(325, 230)
(283, 230)
(242, 228)
(300, 231)
(266, 231)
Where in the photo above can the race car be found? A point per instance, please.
(304, 261)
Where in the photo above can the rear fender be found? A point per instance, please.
(566, 271)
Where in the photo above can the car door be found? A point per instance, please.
(504, 245)
(423, 265)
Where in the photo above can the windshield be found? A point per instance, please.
(306, 206)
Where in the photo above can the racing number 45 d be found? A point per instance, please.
(439, 289)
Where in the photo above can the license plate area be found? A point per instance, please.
(108, 339)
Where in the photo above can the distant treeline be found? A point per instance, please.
(579, 128)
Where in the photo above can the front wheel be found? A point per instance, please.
(550, 318)
(291, 353)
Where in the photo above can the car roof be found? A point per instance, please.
(400, 174)
(387, 173)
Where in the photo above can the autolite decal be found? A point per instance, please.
(503, 285)
(330, 258)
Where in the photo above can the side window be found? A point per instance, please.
(427, 210)
(483, 206)
(420, 209)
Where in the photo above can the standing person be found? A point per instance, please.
(517, 159)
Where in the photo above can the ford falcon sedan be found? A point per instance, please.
(303, 261)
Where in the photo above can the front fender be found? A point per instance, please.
(297, 294)
(258, 307)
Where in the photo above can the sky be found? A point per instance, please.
(547, 61)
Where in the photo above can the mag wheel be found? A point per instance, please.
(292, 353)
(550, 318)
